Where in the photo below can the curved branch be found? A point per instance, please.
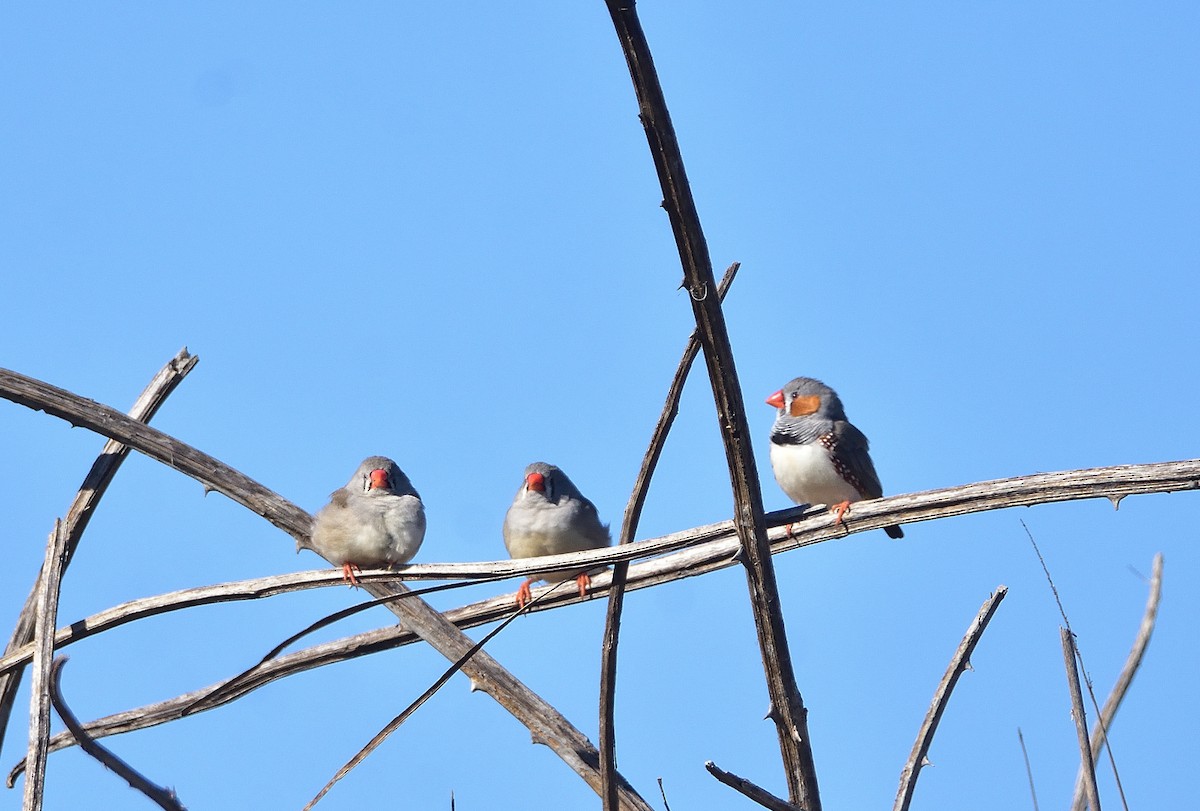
(941, 697)
(683, 554)
(787, 706)
(95, 484)
(629, 525)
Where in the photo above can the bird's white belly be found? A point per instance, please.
(807, 475)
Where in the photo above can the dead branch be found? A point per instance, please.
(1088, 764)
(546, 723)
(1125, 679)
(165, 798)
(80, 512)
(941, 697)
(1028, 769)
(396, 722)
(757, 793)
(683, 554)
(629, 525)
(787, 706)
(43, 654)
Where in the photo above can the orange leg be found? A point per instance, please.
(840, 510)
(789, 530)
(348, 570)
(524, 594)
(583, 581)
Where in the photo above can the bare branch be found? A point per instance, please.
(165, 798)
(1132, 663)
(616, 593)
(760, 795)
(210, 472)
(539, 716)
(941, 697)
(396, 722)
(1080, 717)
(788, 711)
(80, 512)
(694, 551)
(1028, 769)
(43, 655)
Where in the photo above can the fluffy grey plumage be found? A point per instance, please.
(818, 457)
(549, 516)
(376, 520)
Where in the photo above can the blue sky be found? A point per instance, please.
(432, 231)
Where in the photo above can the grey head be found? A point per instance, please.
(807, 410)
(553, 485)
(379, 476)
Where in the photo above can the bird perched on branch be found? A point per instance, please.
(549, 516)
(376, 520)
(818, 457)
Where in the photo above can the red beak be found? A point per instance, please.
(379, 480)
(776, 399)
(536, 481)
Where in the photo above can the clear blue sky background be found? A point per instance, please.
(432, 231)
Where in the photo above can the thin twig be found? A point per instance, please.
(663, 793)
(43, 644)
(1077, 713)
(215, 697)
(787, 706)
(1028, 768)
(757, 793)
(1132, 663)
(164, 797)
(1086, 679)
(941, 697)
(84, 505)
(616, 592)
(395, 723)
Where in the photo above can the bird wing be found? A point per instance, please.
(849, 447)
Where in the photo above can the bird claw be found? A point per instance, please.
(348, 570)
(840, 510)
(584, 580)
(524, 594)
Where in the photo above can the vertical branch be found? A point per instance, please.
(1132, 663)
(80, 512)
(787, 707)
(941, 697)
(1077, 713)
(616, 593)
(43, 656)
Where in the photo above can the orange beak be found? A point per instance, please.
(536, 481)
(776, 399)
(379, 480)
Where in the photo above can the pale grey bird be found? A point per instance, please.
(549, 516)
(818, 457)
(376, 520)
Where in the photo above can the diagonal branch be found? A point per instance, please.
(751, 790)
(80, 512)
(1087, 762)
(43, 655)
(787, 706)
(1132, 663)
(616, 594)
(163, 797)
(941, 697)
(395, 723)
(545, 722)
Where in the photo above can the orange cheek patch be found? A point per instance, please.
(803, 406)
